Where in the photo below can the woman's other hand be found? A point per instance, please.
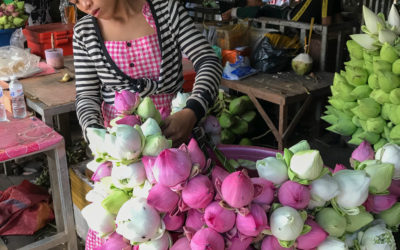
(178, 126)
(226, 16)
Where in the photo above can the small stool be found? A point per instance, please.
(28, 136)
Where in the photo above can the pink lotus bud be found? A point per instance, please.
(237, 189)
(162, 198)
(268, 190)
(395, 188)
(219, 218)
(103, 170)
(148, 162)
(312, 239)
(172, 167)
(211, 125)
(10, 8)
(196, 155)
(207, 238)
(220, 173)
(198, 192)
(253, 223)
(237, 243)
(164, 112)
(272, 243)
(194, 220)
(338, 168)
(126, 102)
(294, 195)
(363, 152)
(115, 241)
(379, 203)
(130, 120)
(15, 14)
(181, 244)
(174, 222)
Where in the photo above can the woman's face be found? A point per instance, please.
(97, 8)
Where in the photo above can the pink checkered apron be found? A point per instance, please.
(139, 58)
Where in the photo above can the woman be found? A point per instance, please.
(137, 45)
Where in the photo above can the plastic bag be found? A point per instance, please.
(274, 53)
(18, 39)
(18, 62)
(68, 12)
(238, 70)
(24, 209)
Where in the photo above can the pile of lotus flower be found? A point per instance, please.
(148, 195)
(365, 102)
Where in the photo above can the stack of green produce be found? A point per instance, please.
(365, 101)
(234, 116)
(12, 15)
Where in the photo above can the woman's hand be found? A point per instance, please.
(178, 127)
(226, 16)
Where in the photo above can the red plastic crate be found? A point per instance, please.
(189, 75)
(188, 81)
(39, 37)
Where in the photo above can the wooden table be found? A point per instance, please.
(282, 89)
(28, 136)
(51, 98)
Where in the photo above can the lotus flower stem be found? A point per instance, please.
(205, 142)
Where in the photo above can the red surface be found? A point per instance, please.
(23, 136)
(189, 75)
(39, 37)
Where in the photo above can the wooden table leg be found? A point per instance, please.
(283, 113)
(61, 193)
(297, 117)
(266, 118)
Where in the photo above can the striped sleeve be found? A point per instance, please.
(88, 99)
(205, 61)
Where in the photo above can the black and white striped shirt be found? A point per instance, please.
(98, 77)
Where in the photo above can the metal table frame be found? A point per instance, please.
(62, 203)
(48, 113)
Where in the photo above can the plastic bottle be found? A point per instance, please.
(3, 115)
(17, 98)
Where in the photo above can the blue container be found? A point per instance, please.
(5, 36)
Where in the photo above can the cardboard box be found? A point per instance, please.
(6, 96)
(232, 36)
(80, 186)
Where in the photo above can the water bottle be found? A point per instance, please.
(3, 115)
(17, 98)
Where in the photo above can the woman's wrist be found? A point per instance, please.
(190, 113)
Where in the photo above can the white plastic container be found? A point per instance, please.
(3, 115)
(17, 98)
